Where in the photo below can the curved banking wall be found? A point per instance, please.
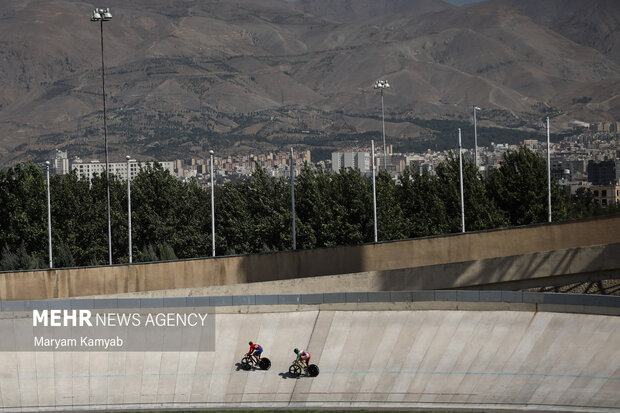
(477, 350)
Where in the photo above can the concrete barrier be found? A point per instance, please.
(460, 260)
(559, 302)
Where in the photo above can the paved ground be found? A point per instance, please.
(504, 360)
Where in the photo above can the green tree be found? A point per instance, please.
(165, 252)
(269, 208)
(79, 220)
(159, 201)
(448, 184)
(232, 223)
(314, 208)
(95, 222)
(423, 208)
(194, 238)
(63, 256)
(307, 207)
(23, 210)
(391, 224)
(583, 204)
(519, 187)
(70, 201)
(19, 260)
(481, 211)
(147, 254)
(351, 209)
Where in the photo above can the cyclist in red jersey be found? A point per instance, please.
(255, 351)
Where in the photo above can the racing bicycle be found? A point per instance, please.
(247, 362)
(298, 367)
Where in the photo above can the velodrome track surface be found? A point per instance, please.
(369, 358)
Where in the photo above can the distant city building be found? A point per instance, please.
(415, 159)
(606, 195)
(532, 144)
(355, 160)
(559, 170)
(582, 157)
(604, 172)
(426, 167)
(60, 162)
(577, 167)
(500, 147)
(87, 170)
(571, 187)
(395, 164)
(604, 127)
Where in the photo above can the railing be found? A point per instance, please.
(451, 296)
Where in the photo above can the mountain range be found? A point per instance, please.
(183, 77)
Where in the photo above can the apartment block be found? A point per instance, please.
(87, 170)
(60, 162)
(355, 160)
(606, 194)
(604, 172)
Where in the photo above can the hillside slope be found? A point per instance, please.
(186, 77)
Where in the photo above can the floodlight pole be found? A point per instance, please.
(383, 84)
(383, 127)
(102, 15)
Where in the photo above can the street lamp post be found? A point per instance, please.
(383, 84)
(548, 172)
(212, 208)
(293, 198)
(129, 209)
(374, 189)
(103, 15)
(461, 183)
(49, 213)
(476, 108)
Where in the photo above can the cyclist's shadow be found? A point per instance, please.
(239, 367)
(288, 375)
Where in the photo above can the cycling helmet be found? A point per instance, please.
(295, 351)
(250, 343)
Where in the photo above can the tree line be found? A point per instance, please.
(172, 219)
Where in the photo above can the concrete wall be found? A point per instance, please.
(560, 267)
(575, 239)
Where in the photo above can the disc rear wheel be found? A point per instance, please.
(313, 370)
(264, 363)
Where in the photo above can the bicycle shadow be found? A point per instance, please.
(243, 367)
(288, 375)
